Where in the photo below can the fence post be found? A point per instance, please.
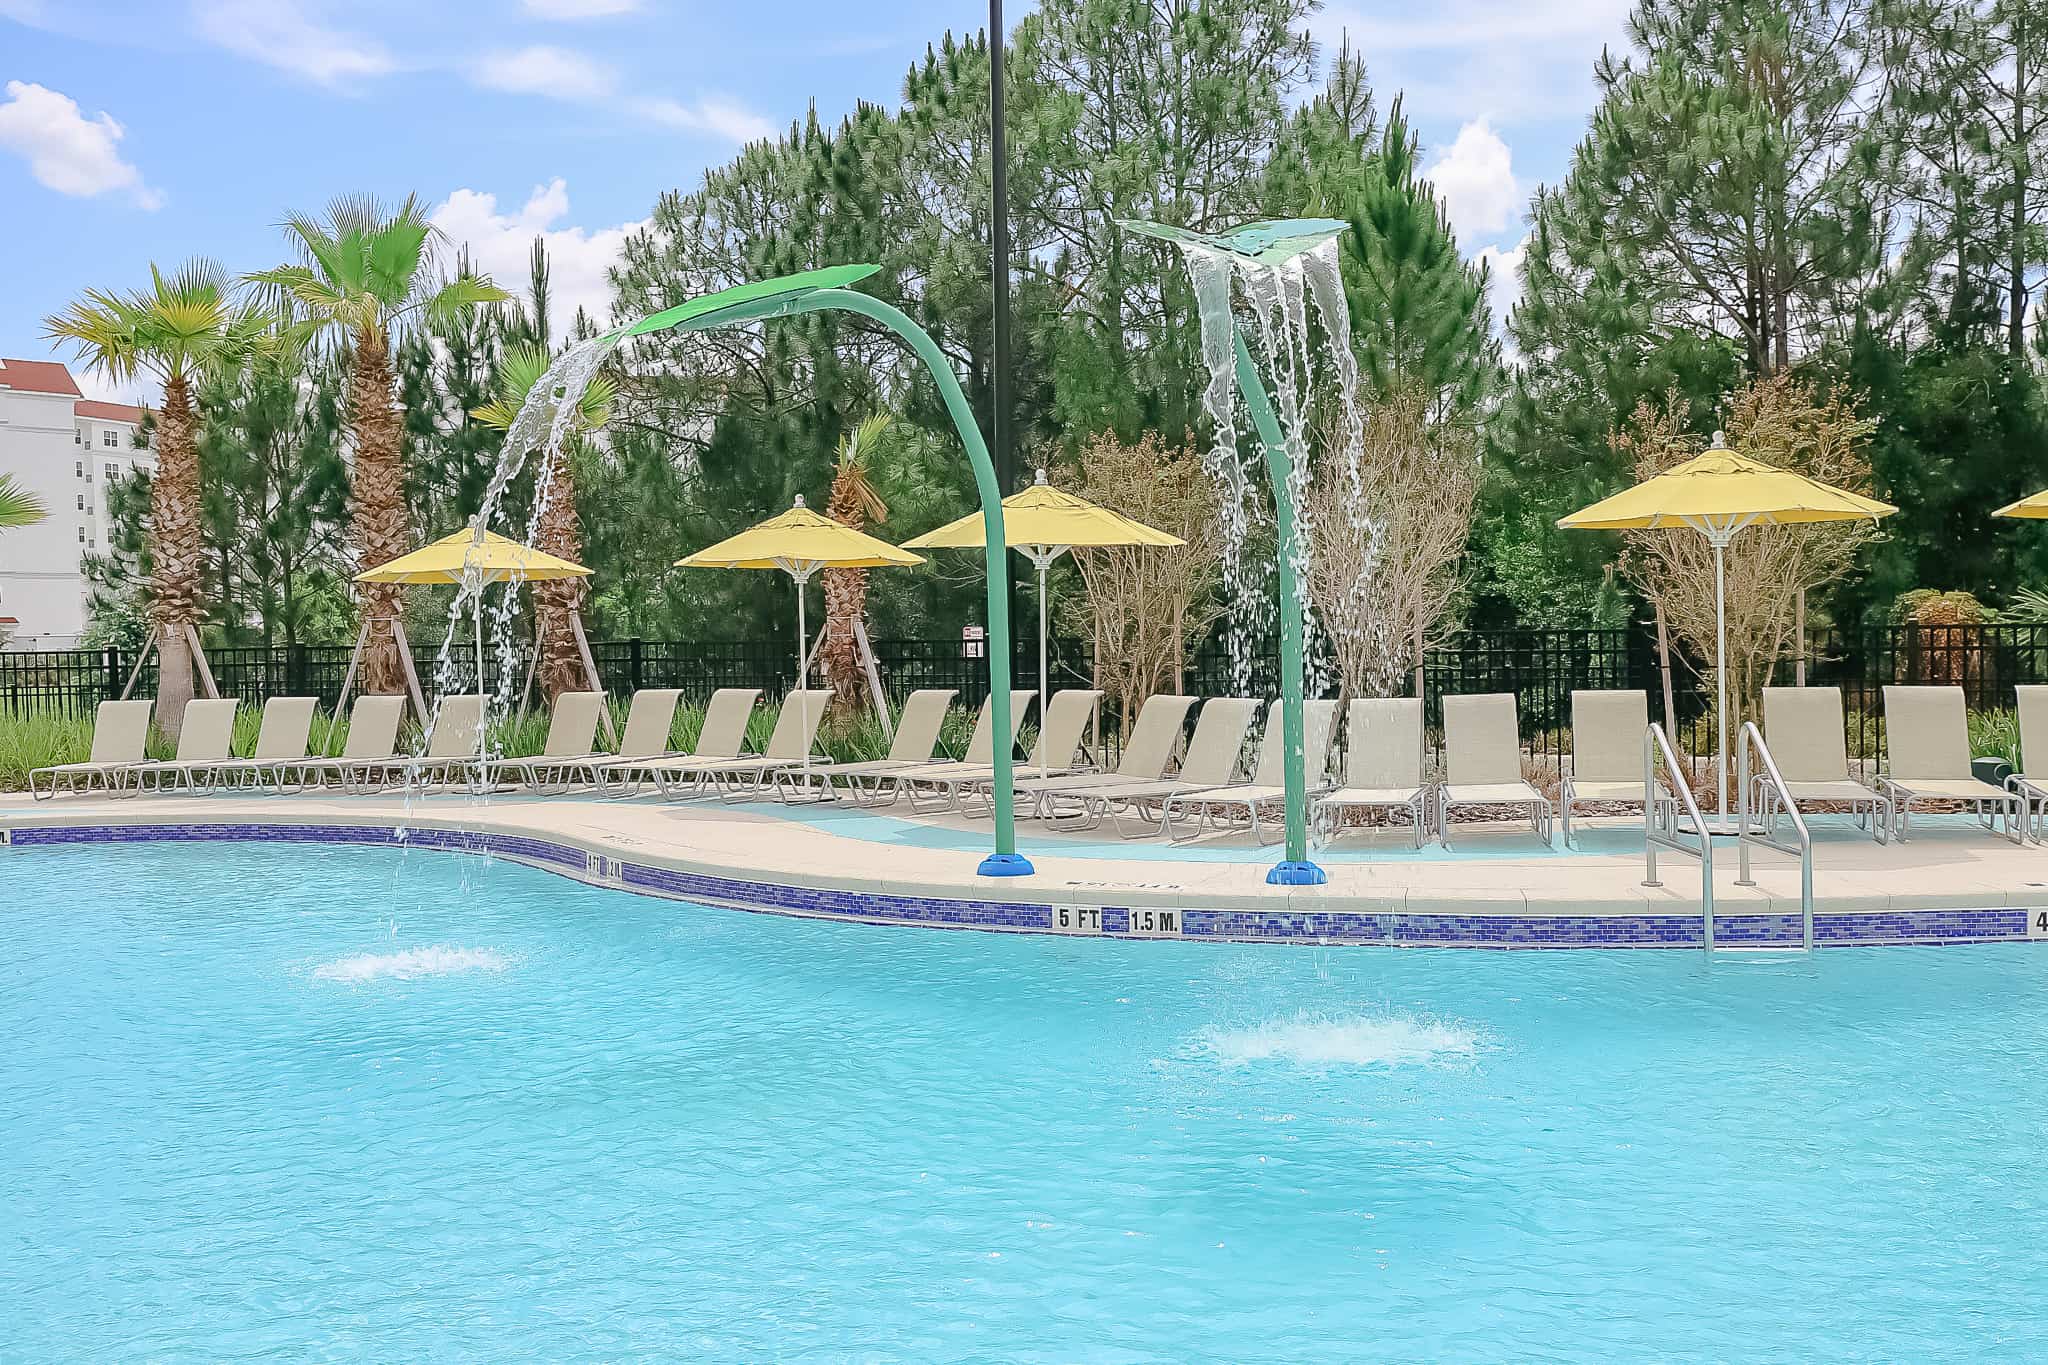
(633, 664)
(112, 688)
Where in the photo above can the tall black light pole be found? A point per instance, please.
(1001, 439)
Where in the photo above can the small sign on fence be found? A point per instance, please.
(973, 642)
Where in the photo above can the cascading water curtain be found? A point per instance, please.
(1277, 299)
(544, 422)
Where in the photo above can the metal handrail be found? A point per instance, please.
(1660, 821)
(1751, 740)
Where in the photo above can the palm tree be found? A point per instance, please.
(363, 275)
(559, 532)
(18, 506)
(184, 328)
(852, 502)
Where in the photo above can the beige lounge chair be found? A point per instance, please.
(1927, 758)
(1210, 762)
(1059, 750)
(1483, 763)
(282, 742)
(2031, 781)
(937, 786)
(1804, 732)
(652, 718)
(120, 730)
(206, 738)
(372, 742)
(915, 742)
(1244, 806)
(451, 751)
(571, 745)
(1607, 752)
(1145, 755)
(721, 735)
(796, 729)
(1382, 765)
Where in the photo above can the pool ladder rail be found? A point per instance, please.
(1672, 820)
(1757, 770)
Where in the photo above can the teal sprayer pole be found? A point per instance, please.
(1005, 861)
(819, 290)
(1296, 870)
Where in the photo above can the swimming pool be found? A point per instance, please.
(359, 1103)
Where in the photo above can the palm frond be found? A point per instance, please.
(522, 368)
(18, 506)
(461, 294)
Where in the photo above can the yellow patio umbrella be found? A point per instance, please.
(1042, 523)
(1717, 493)
(800, 543)
(2033, 508)
(467, 556)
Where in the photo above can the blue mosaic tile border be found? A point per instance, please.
(1390, 929)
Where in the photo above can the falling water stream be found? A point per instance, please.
(544, 423)
(1277, 298)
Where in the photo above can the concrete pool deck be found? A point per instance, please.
(1498, 887)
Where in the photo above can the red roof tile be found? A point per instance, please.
(37, 376)
(107, 412)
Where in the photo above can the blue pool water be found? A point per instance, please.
(283, 1103)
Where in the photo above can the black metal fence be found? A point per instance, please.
(1541, 667)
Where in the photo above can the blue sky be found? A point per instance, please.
(132, 132)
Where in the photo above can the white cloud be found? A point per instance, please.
(94, 384)
(555, 72)
(714, 114)
(501, 245)
(1504, 281)
(66, 151)
(1506, 59)
(579, 9)
(1476, 179)
(284, 34)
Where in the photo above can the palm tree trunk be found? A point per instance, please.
(846, 601)
(560, 533)
(177, 552)
(377, 489)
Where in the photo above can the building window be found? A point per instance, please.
(78, 436)
(81, 496)
(113, 472)
(81, 535)
(110, 438)
(81, 469)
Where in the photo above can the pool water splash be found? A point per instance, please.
(1348, 1040)
(411, 964)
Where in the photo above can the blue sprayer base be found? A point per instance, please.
(1005, 865)
(1296, 874)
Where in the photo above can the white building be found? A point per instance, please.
(66, 450)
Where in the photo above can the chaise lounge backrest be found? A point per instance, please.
(1926, 733)
(286, 730)
(208, 731)
(1384, 749)
(373, 728)
(1607, 735)
(120, 730)
(648, 722)
(1482, 742)
(1803, 729)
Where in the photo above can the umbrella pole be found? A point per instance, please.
(1044, 755)
(1721, 671)
(483, 705)
(803, 668)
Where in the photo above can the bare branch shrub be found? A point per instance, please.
(1143, 606)
(1389, 544)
